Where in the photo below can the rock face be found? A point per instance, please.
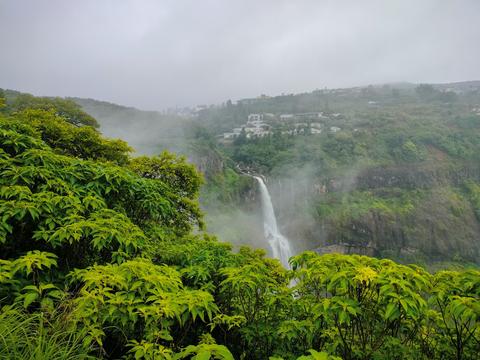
(434, 229)
(438, 222)
(346, 249)
(207, 161)
(414, 177)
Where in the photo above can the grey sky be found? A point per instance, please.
(155, 54)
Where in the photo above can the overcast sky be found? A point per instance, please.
(154, 54)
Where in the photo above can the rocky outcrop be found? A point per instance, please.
(207, 161)
(442, 225)
(417, 176)
(346, 248)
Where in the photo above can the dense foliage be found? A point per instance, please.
(67, 109)
(105, 258)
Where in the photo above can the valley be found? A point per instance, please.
(388, 171)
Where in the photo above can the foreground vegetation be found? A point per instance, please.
(103, 256)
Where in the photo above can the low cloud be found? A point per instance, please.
(159, 54)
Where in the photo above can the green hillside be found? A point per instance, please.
(104, 256)
(393, 173)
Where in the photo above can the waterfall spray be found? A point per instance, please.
(279, 244)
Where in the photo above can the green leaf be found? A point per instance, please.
(318, 355)
(202, 355)
(29, 298)
(392, 312)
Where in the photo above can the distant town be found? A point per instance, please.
(261, 125)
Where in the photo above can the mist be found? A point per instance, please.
(147, 132)
(155, 55)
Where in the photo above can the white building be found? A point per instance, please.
(286, 117)
(229, 136)
(256, 123)
(255, 117)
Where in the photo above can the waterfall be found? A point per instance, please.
(279, 244)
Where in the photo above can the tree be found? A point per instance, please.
(425, 91)
(2, 99)
(170, 169)
(83, 142)
(65, 108)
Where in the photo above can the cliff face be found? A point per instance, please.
(415, 212)
(415, 176)
(441, 226)
(208, 161)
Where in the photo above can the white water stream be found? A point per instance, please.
(279, 244)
